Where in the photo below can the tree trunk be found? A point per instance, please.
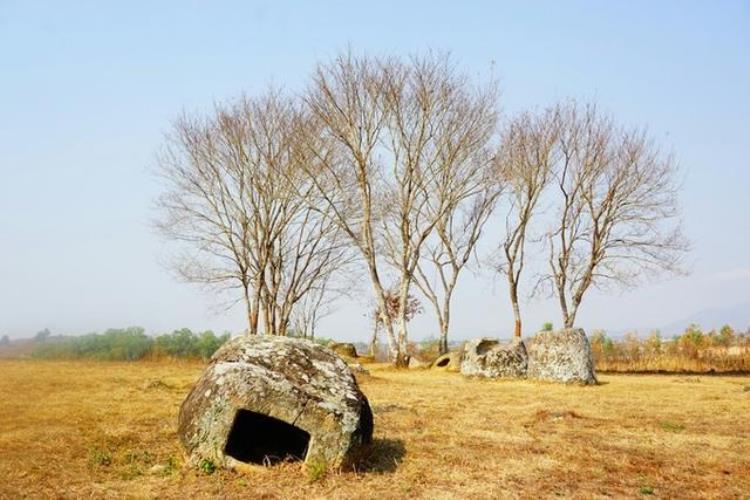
(282, 327)
(374, 339)
(570, 318)
(285, 312)
(267, 319)
(251, 319)
(443, 340)
(568, 313)
(401, 359)
(446, 316)
(566, 318)
(313, 320)
(255, 315)
(516, 308)
(380, 297)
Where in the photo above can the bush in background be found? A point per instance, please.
(693, 351)
(42, 335)
(426, 350)
(186, 344)
(130, 344)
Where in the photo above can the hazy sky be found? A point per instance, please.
(87, 91)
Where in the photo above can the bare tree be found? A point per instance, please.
(393, 301)
(341, 138)
(320, 300)
(443, 129)
(314, 306)
(526, 159)
(394, 128)
(233, 184)
(617, 213)
(204, 208)
(447, 253)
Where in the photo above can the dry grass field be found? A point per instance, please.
(83, 429)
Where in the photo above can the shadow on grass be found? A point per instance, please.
(382, 456)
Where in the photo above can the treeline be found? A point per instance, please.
(723, 350)
(130, 344)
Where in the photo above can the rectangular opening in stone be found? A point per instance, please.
(260, 439)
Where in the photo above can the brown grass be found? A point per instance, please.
(666, 363)
(75, 429)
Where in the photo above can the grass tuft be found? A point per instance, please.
(207, 466)
(671, 426)
(316, 470)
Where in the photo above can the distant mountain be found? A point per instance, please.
(737, 316)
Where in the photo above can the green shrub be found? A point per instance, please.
(43, 335)
(671, 426)
(131, 344)
(100, 457)
(695, 350)
(316, 470)
(127, 344)
(207, 466)
(186, 344)
(178, 344)
(173, 465)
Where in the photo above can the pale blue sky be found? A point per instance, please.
(88, 88)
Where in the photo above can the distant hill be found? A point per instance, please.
(737, 316)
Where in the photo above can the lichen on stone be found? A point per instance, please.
(291, 380)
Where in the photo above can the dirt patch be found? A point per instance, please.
(555, 415)
(687, 380)
(387, 408)
(157, 385)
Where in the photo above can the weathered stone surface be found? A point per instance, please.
(262, 398)
(450, 361)
(346, 349)
(485, 357)
(157, 470)
(415, 362)
(561, 356)
(358, 369)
